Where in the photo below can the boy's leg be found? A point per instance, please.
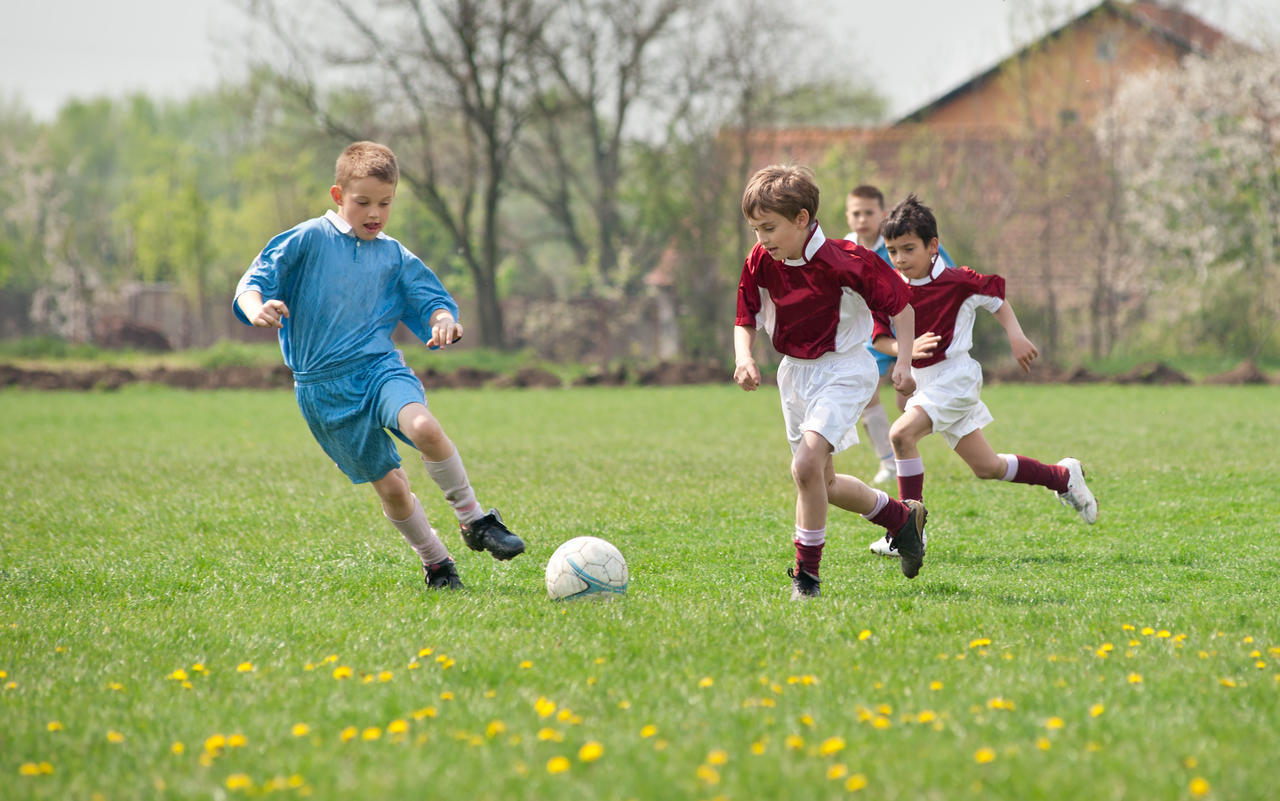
(875, 420)
(402, 508)
(903, 521)
(808, 468)
(480, 530)
(1066, 478)
(906, 433)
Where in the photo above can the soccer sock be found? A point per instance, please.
(420, 535)
(911, 479)
(809, 544)
(876, 421)
(451, 477)
(1025, 470)
(888, 513)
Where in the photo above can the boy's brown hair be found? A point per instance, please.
(868, 192)
(911, 217)
(784, 189)
(366, 160)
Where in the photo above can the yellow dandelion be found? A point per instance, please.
(855, 782)
(1198, 787)
(557, 764)
(981, 642)
(1147, 631)
(11, 685)
(398, 726)
(1247, 640)
(881, 722)
(526, 664)
(1054, 723)
(624, 704)
(648, 730)
(544, 707)
(348, 734)
(178, 675)
(300, 730)
(706, 681)
(807, 720)
(708, 774)
(1135, 678)
(717, 756)
(590, 751)
(984, 755)
(55, 725)
(794, 742)
(935, 685)
(865, 634)
(371, 733)
(178, 748)
(28, 769)
(1096, 710)
(768, 702)
(1043, 743)
(495, 728)
(425, 652)
(342, 672)
(199, 667)
(214, 743)
(1227, 682)
(114, 686)
(831, 745)
(425, 712)
(310, 666)
(330, 659)
(884, 709)
(244, 667)
(758, 747)
(564, 715)
(1164, 633)
(236, 741)
(927, 716)
(447, 695)
(239, 781)
(114, 736)
(414, 665)
(551, 735)
(837, 771)
(385, 676)
(367, 678)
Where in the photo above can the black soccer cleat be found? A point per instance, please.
(908, 540)
(443, 576)
(489, 534)
(804, 585)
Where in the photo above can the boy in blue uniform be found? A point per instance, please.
(336, 287)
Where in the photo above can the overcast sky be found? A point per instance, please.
(55, 50)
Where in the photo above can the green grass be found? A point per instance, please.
(146, 531)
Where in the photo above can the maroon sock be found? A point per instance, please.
(893, 516)
(1052, 476)
(809, 557)
(911, 488)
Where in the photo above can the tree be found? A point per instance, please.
(1199, 158)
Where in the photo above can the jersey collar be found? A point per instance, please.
(816, 240)
(938, 266)
(343, 226)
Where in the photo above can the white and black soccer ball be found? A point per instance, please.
(586, 567)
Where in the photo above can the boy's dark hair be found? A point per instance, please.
(910, 217)
(869, 192)
(783, 189)
(366, 160)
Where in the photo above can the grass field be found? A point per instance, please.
(195, 604)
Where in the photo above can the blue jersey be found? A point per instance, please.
(345, 295)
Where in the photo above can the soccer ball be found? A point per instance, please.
(586, 567)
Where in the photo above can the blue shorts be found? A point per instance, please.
(348, 407)
(884, 362)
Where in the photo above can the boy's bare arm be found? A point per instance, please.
(922, 348)
(267, 314)
(745, 371)
(1024, 350)
(904, 325)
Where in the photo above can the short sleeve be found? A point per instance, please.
(424, 295)
(271, 270)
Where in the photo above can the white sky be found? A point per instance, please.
(55, 50)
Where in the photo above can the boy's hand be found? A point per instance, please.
(270, 314)
(747, 374)
(1024, 351)
(924, 345)
(444, 332)
(902, 380)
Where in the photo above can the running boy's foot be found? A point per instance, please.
(908, 540)
(885, 547)
(443, 576)
(804, 585)
(1078, 496)
(489, 534)
(887, 472)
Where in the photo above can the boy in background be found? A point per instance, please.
(336, 287)
(864, 211)
(814, 296)
(948, 380)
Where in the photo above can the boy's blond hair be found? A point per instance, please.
(366, 160)
(784, 189)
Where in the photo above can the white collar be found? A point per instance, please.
(939, 264)
(811, 245)
(853, 237)
(342, 225)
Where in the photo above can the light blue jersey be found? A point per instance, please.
(345, 295)
(883, 360)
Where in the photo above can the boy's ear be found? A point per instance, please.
(933, 246)
(335, 192)
(803, 217)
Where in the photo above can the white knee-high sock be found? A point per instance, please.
(451, 477)
(420, 535)
(876, 421)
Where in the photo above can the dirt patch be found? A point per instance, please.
(604, 378)
(528, 378)
(1244, 373)
(1153, 373)
(671, 374)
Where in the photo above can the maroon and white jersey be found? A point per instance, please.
(946, 302)
(821, 302)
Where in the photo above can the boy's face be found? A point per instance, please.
(911, 255)
(864, 215)
(365, 204)
(782, 238)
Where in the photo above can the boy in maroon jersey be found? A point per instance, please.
(948, 380)
(814, 295)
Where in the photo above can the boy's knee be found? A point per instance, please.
(805, 469)
(424, 431)
(900, 438)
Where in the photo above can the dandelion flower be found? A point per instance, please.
(1054, 723)
(331, 658)
(447, 695)
(590, 751)
(348, 734)
(114, 736)
(239, 781)
(648, 730)
(1147, 631)
(236, 741)
(981, 642)
(425, 712)
(425, 652)
(214, 743)
(935, 685)
(855, 782)
(865, 634)
(706, 681)
(758, 747)
(342, 672)
(881, 722)
(55, 725)
(494, 728)
(300, 730)
(837, 771)
(371, 733)
(708, 774)
(1135, 678)
(557, 764)
(398, 726)
(1043, 743)
(1096, 710)
(244, 667)
(526, 664)
(831, 745)
(1227, 682)
(29, 769)
(807, 720)
(178, 748)
(984, 755)
(550, 734)
(1198, 787)
(178, 675)
(794, 742)
(717, 756)
(1164, 633)
(927, 716)
(385, 676)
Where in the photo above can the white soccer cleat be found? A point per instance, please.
(884, 546)
(1078, 496)
(885, 474)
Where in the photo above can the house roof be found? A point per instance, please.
(1187, 32)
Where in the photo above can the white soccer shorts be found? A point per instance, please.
(826, 396)
(950, 393)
